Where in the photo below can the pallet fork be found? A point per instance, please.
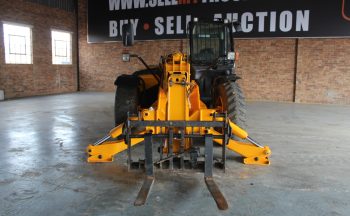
(253, 153)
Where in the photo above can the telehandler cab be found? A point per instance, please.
(187, 102)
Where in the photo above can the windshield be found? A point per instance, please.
(210, 41)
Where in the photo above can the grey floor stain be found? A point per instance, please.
(44, 171)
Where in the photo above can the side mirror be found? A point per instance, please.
(128, 34)
(237, 26)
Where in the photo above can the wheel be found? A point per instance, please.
(229, 97)
(126, 100)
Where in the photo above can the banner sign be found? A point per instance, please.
(167, 19)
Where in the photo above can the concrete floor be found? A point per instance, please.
(43, 169)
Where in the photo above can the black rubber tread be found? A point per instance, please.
(126, 100)
(236, 109)
(233, 101)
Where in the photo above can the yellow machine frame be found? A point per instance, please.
(179, 100)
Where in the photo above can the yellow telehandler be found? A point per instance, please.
(189, 101)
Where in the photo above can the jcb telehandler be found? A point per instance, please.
(187, 102)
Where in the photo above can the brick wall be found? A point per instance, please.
(267, 68)
(323, 74)
(304, 70)
(41, 77)
(101, 63)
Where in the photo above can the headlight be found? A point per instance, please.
(231, 55)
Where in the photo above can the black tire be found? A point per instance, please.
(126, 100)
(230, 98)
